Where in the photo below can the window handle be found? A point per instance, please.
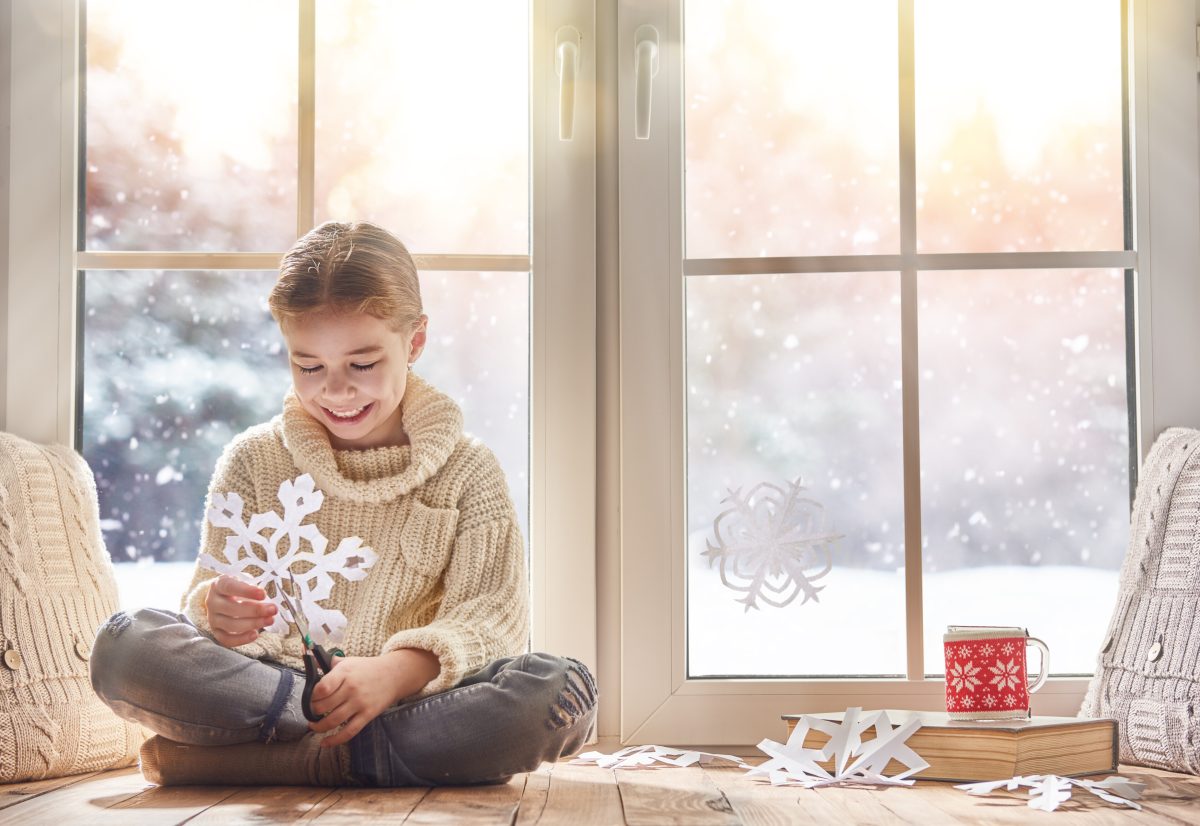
(566, 65)
(645, 67)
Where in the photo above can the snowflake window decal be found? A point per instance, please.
(257, 550)
(772, 545)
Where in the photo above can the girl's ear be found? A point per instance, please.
(418, 339)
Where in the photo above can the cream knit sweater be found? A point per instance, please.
(450, 577)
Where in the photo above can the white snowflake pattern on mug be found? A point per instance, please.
(1007, 676)
(962, 676)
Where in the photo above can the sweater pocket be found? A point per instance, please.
(428, 537)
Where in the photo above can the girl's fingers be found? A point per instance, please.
(242, 608)
(232, 586)
(353, 726)
(327, 688)
(233, 640)
(236, 625)
(334, 717)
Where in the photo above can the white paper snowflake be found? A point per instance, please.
(258, 551)
(652, 757)
(853, 760)
(772, 545)
(1047, 791)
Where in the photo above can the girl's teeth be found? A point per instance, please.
(350, 414)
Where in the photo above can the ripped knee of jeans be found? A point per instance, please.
(116, 624)
(577, 698)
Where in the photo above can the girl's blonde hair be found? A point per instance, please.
(348, 267)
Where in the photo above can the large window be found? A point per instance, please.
(896, 292)
(898, 324)
(207, 149)
(792, 159)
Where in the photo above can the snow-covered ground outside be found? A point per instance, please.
(151, 584)
(856, 628)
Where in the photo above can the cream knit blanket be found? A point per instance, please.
(56, 588)
(1148, 674)
(450, 577)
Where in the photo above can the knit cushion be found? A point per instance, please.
(56, 588)
(1148, 674)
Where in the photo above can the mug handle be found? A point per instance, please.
(1041, 678)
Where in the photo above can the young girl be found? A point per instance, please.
(433, 688)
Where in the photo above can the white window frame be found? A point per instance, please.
(659, 703)
(38, 317)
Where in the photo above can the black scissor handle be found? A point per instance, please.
(311, 678)
(317, 663)
(324, 659)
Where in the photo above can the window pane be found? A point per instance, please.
(1025, 451)
(190, 120)
(791, 128)
(174, 365)
(478, 353)
(1018, 129)
(405, 91)
(177, 363)
(794, 377)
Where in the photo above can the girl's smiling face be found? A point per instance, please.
(350, 370)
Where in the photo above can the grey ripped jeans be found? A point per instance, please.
(154, 667)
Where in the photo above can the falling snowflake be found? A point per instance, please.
(772, 545)
(962, 676)
(1006, 676)
(254, 550)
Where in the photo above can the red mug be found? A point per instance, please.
(986, 673)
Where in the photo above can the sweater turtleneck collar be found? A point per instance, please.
(434, 426)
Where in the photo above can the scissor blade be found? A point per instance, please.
(297, 614)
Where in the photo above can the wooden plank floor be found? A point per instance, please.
(574, 795)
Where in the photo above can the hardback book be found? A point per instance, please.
(970, 750)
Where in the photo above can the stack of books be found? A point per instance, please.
(969, 750)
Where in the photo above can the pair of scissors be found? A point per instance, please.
(317, 661)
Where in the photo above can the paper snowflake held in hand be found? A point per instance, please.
(255, 551)
(772, 545)
(1047, 791)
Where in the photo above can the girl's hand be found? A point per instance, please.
(237, 610)
(359, 689)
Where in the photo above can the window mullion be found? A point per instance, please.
(910, 404)
(306, 112)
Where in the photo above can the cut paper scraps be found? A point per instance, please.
(854, 761)
(772, 545)
(271, 547)
(1047, 791)
(648, 757)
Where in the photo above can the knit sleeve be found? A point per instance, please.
(484, 613)
(232, 475)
